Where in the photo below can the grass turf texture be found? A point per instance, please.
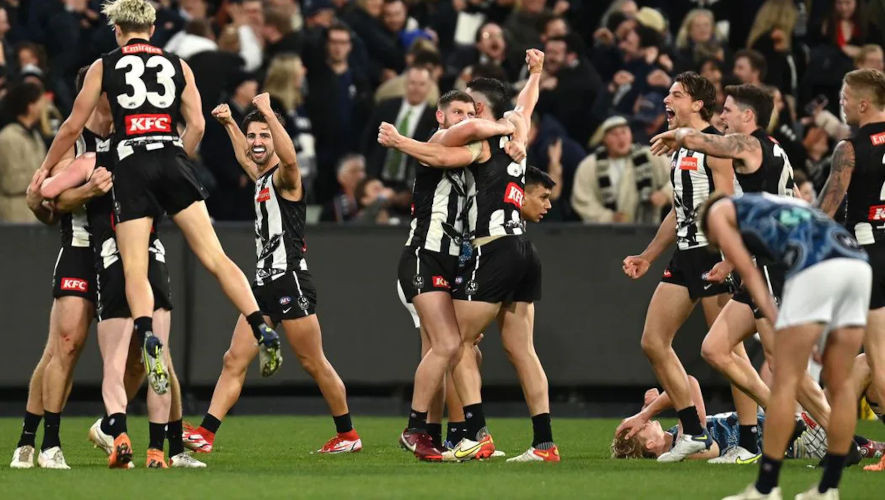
(270, 457)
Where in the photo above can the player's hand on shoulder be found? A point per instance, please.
(262, 103)
(534, 58)
(32, 194)
(100, 182)
(635, 266)
(222, 113)
(388, 135)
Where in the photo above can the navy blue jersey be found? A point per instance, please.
(725, 430)
(789, 232)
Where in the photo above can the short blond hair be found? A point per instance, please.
(866, 50)
(130, 15)
(870, 82)
(629, 448)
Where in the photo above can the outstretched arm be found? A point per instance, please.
(67, 134)
(475, 129)
(840, 177)
(290, 176)
(736, 146)
(528, 96)
(433, 154)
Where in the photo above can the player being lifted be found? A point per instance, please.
(857, 171)
(152, 93)
(693, 272)
(283, 285)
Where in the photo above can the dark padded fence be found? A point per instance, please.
(587, 327)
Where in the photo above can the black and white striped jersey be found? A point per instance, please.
(775, 174)
(74, 226)
(438, 197)
(279, 231)
(692, 181)
(497, 190)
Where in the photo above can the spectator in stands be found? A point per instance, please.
(422, 54)
(365, 20)
(846, 29)
(285, 83)
(490, 48)
(552, 150)
(697, 39)
(402, 28)
(350, 171)
(522, 29)
(772, 36)
(870, 56)
(550, 26)
(413, 117)
(621, 182)
(215, 70)
(196, 37)
(21, 150)
(248, 17)
(711, 69)
(373, 200)
(805, 187)
(232, 197)
(279, 37)
(569, 86)
(749, 66)
(338, 107)
(817, 162)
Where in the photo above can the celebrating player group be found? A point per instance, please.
(756, 258)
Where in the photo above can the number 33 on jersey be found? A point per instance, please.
(144, 85)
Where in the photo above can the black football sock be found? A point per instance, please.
(157, 433)
(542, 432)
(747, 438)
(834, 465)
(117, 424)
(210, 423)
(691, 423)
(51, 423)
(435, 431)
(455, 432)
(476, 420)
(417, 421)
(343, 423)
(255, 320)
(29, 429)
(173, 434)
(143, 325)
(769, 471)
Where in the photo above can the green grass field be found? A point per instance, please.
(270, 457)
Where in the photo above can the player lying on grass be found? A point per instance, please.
(648, 439)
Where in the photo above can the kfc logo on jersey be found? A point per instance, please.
(440, 282)
(878, 139)
(141, 47)
(143, 124)
(514, 194)
(74, 285)
(688, 163)
(263, 195)
(877, 212)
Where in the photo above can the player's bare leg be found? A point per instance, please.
(437, 403)
(69, 322)
(197, 228)
(23, 456)
(516, 322)
(439, 324)
(158, 405)
(114, 336)
(473, 318)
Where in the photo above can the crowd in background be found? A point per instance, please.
(337, 68)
